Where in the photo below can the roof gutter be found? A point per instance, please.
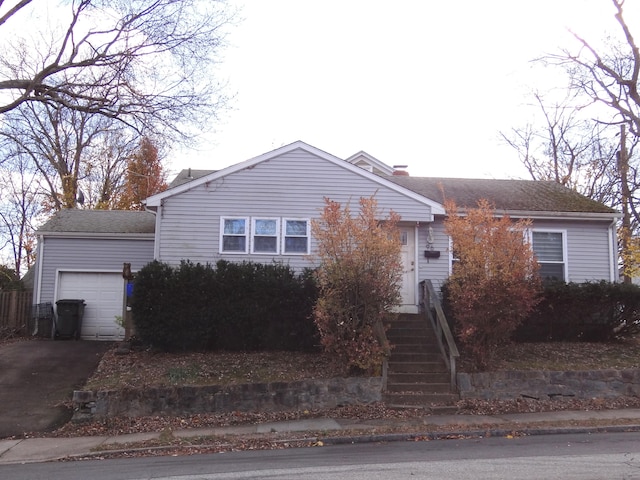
(613, 216)
(111, 235)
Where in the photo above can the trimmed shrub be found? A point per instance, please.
(583, 312)
(234, 306)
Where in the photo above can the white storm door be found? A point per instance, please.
(408, 253)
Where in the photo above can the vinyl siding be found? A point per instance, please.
(434, 269)
(88, 254)
(588, 251)
(588, 254)
(292, 185)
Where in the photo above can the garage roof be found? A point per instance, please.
(100, 222)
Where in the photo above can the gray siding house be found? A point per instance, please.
(261, 210)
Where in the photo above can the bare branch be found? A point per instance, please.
(143, 62)
(12, 11)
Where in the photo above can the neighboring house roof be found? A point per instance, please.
(156, 200)
(362, 159)
(124, 222)
(187, 175)
(507, 195)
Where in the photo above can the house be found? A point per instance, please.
(261, 210)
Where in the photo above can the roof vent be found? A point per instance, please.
(400, 170)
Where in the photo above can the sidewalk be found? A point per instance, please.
(341, 431)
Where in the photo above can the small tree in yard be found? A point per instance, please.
(494, 284)
(358, 281)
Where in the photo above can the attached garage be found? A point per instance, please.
(103, 295)
(81, 255)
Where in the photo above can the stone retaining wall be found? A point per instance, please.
(541, 385)
(302, 395)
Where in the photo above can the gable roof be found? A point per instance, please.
(100, 222)
(155, 200)
(524, 196)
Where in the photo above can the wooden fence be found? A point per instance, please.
(16, 311)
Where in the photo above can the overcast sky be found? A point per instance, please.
(424, 83)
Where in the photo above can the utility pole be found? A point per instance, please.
(623, 169)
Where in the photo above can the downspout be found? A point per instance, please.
(38, 279)
(39, 268)
(156, 234)
(613, 251)
(416, 264)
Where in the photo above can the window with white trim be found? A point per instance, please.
(549, 248)
(295, 236)
(264, 235)
(233, 235)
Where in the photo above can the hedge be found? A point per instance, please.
(232, 306)
(583, 312)
(577, 312)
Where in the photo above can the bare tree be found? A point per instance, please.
(610, 76)
(143, 62)
(568, 149)
(605, 77)
(19, 208)
(68, 149)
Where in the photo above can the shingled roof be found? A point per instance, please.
(506, 195)
(100, 222)
(187, 175)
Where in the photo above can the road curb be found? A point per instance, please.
(476, 433)
(382, 438)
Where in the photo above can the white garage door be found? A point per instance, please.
(102, 293)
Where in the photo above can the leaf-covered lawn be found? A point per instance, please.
(565, 356)
(146, 368)
(142, 368)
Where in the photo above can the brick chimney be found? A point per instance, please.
(400, 170)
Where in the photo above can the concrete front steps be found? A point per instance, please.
(417, 376)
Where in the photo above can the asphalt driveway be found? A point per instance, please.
(37, 377)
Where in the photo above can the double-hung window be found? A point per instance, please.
(295, 236)
(550, 250)
(264, 235)
(233, 235)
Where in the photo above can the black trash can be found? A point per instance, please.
(69, 318)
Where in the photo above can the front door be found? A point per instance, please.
(408, 252)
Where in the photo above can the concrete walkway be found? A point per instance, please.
(341, 431)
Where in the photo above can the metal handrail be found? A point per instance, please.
(430, 303)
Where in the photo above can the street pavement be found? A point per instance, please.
(336, 431)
